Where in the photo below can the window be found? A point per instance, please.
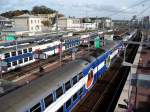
(67, 85)
(13, 53)
(19, 52)
(80, 75)
(25, 59)
(24, 50)
(60, 109)
(35, 21)
(80, 91)
(59, 92)
(31, 58)
(7, 55)
(31, 21)
(20, 61)
(68, 103)
(74, 79)
(8, 65)
(14, 63)
(48, 100)
(30, 49)
(36, 108)
(75, 96)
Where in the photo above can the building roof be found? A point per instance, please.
(3, 18)
(15, 29)
(26, 16)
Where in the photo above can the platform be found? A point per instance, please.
(136, 92)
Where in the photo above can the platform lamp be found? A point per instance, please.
(60, 51)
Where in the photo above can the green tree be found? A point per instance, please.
(42, 10)
(46, 23)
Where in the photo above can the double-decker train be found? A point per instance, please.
(23, 54)
(61, 89)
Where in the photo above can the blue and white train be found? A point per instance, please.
(61, 89)
(20, 55)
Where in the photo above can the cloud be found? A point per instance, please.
(76, 7)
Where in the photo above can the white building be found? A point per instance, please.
(5, 23)
(28, 22)
(69, 24)
(89, 26)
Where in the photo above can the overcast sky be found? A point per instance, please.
(117, 9)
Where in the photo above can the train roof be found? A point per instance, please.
(30, 94)
(110, 44)
(24, 45)
(18, 47)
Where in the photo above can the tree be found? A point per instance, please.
(46, 23)
(42, 10)
(35, 10)
(11, 14)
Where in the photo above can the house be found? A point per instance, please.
(28, 22)
(5, 23)
(70, 23)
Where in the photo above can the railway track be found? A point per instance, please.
(32, 67)
(104, 95)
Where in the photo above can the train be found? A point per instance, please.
(61, 89)
(18, 55)
(23, 54)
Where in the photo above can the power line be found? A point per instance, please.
(143, 10)
(132, 6)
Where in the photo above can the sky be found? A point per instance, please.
(116, 9)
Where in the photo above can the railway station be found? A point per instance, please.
(57, 60)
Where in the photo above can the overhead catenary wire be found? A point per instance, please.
(130, 7)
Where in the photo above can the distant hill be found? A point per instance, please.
(35, 10)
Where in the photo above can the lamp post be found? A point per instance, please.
(1, 68)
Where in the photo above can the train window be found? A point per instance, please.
(36, 108)
(7, 55)
(8, 65)
(75, 96)
(59, 92)
(14, 63)
(61, 109)
(24, 50)
(67, 46)
(30, 49)
(19, 52)
(67, 85)
(74, 79)
(25, 59)
(13, 53)
(20, 61)
(31, 58)
(80, 75)
(48, 100)
(68, 103)
(80, 91)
